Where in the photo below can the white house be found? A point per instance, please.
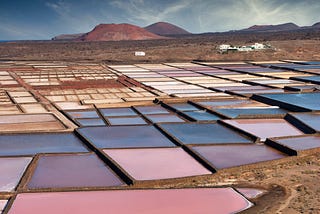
(139, 53)
(258, 46)
(224, 47)
(245, 48)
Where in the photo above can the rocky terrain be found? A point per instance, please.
(305, 46)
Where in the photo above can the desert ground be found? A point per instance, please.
(202, 48)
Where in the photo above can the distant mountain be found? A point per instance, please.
(161, 30)
(272, 28)
(165, 28)
(316, 25)
(118, 32)
(67, 37)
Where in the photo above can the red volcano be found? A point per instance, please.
(118, 32)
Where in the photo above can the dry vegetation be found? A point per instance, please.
(293, 186)
(287, 46)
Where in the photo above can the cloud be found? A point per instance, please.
(140, 11)
(59, 7)
(46, 18)
(230, 15)
(219, 15)
(74, 18)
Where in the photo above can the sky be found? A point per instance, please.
(44, 19)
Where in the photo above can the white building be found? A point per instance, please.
(224, 47)
(245, 48)
(257, 46)
(139, 53)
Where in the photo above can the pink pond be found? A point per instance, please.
(80, 170)
(203, 200)
(266, 128)
(11, 171)
(159, 163)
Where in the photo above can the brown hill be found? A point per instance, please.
(165, 28)
(118, 32)
(272, 28)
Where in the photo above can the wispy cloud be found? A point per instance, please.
(59, 7)
(46, 18)
(149, 12)
(69, 15)
(219, 16)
